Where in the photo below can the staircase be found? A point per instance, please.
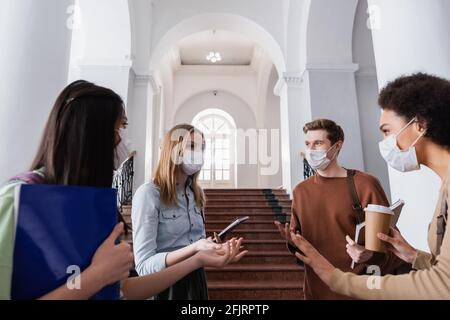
(268, 271)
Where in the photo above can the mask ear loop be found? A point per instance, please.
(334, 145)
(418, 138)
(406, 127)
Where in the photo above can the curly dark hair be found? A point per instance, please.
(424, 96)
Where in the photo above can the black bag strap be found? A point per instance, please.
(441, 226)
(356, 204)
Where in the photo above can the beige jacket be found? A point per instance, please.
(430, 281)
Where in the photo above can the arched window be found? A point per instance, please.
(219, 129)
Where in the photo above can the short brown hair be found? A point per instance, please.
(335, 132)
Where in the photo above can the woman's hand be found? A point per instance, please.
(321, 266)
(229, 252)
(112, 262)
(358, 253)
(398, 245)
(206, 244)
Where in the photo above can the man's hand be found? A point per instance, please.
(358, 253)
(285, 230)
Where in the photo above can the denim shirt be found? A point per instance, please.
(158, 229)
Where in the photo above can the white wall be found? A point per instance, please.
(34, 58)
(271, 115)
(333, 96)
(241, 83)
(367, 94)
(404, 44)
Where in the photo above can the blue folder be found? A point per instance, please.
(59, 227)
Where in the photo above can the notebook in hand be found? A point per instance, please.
(396, 208)
(58, 231)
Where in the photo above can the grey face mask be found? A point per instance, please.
(192, 162)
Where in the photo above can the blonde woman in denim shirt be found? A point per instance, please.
(167, 214)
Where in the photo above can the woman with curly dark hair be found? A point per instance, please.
(415, 124)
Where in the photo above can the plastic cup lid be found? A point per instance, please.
(379, 209)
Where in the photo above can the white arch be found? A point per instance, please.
(248, 109)
(230, 22)
(217, 111)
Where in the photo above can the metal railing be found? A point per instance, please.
(123, 181)
(308, 172)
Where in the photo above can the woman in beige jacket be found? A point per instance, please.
(415, 120)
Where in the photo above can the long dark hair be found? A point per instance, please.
(78, 143)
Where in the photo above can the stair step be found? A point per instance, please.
(269, 257)
(273, 290)
(248, 210)
(238, 197)
(245, 206)
(255, 234)
(267, 216)
(242, 190)
(257, 272)
(257, 245)
(243, 193)
(247, 225)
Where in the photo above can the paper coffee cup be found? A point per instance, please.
(378, 220)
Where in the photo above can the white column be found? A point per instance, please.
(294, 108)
(34, 58)
(411, 36)
(143, 119)
(318, 92)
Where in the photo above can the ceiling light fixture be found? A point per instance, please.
(214, 57)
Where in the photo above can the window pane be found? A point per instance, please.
(219, 164)
(207, 175)
(226, 175)
(208, 123)
(226, 164)
(218, 175)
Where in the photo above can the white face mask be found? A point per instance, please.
(318, 159)
(403, 161)
(192, 162)
(121, 154)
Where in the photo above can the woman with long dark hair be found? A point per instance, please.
(78, 149)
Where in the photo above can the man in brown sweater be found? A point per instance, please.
(322, 209)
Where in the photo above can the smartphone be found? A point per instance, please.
(222, 235)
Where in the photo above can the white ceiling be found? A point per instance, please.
(234, 48)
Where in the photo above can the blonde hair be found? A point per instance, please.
(173, 146)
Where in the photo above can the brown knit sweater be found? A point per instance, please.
(323, 206)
